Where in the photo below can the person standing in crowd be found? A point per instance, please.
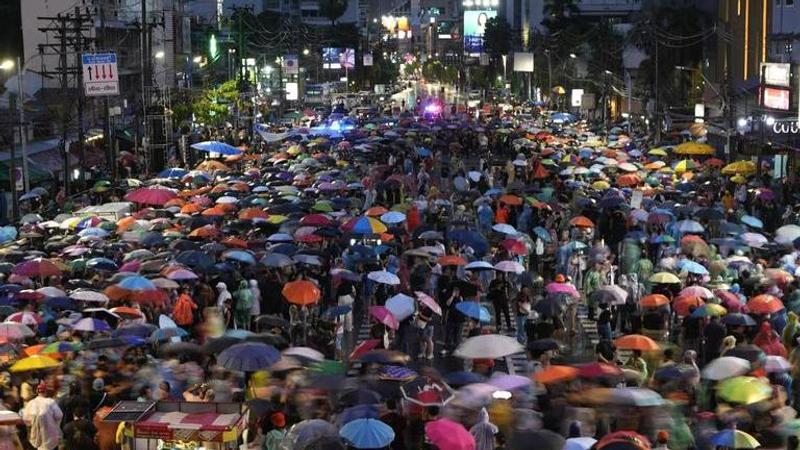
(43, 417)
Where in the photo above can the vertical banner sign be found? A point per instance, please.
(291, 65)
(100, 75)
(367, 59)
(19, 181)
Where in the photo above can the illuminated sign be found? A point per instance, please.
(474, 28)
(576, 97)
(776, 74)
(775, 98)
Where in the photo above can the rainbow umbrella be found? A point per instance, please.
(364, 225)
(733, 438)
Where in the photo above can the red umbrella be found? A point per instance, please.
(598, 370)
(623, 440)
(301, 292)
(515, 247)
(764, 304)
(363, 348)
(37, 267)
(151, 195)
(317, 220)
(384, 316)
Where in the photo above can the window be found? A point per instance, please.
(789, 2)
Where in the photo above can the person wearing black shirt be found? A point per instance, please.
(713, 333)
(499, 292)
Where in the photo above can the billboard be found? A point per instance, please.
(474, 28)
(776, 74)
(291, 65)
(330, 58)
(347, 58)
(292, 91)
(523, 62)
(576, 98)
(775, 98)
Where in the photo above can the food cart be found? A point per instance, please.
(180, 425)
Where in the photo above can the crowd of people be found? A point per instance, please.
(479, 284)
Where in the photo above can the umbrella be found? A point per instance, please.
(555, 374)
(764, 304)
(689, 226)
(653, 301)
(448, 435)
(777, 364)
(508, 382)
(539, 439)
(384, 277)
(384, 316)
(155, 195)
(35, 362)
(479, 265)
(664, 278)
(697, 291)
(474, 310)
(692, 267)
(598, 370)
(562, 288)
(401, 306)
(364, 225)
(428, 301)
(37, 267)
(360, 397)
(744, 390)
(733, 438)
(489, 346)
(550, 306)
(367, 433)
(90, 324)
(579, 443)
(216, 147)
(627, 396)
(278, 260)
(303, 435)
(510, 266)
(248, 357)
(623, 440)
(301, 292)
(611, 294)
(751, 221)
(636, 342)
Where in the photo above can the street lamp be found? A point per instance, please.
(197, 59)
(306, 51)
(7, 65)
(159, 55)
(573, 55)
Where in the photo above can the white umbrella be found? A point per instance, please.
(401, 306)
(775, 363)
(504, 228)
(479, 265)
(725, 367)
(488, 346)
(384, 277)
(227, 199)
(579, 443)
(753, 239)
(50, 291)
(86, 295)
(786, 234)
(510, 266)
(304, 352)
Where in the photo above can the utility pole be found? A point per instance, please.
(107, 131)
(69, 32)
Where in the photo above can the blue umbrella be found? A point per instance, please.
(238, 334)
(174, 172)
(93, 232)
(60, 303)
(738, 319)
(463, 378)
(276, 260)
(562, 117)
(692, 267)
(367, 433)
(358, 412)
(141, 331)
(475, 311)
(471, 238)
(151, 239)
(162, 334)
(751, 221)
(195, 259)
(137, 283)
(248, 357)
(423, 152)
(689, 226)
(542, 234)
(335, 311)
(102, 264)
(216, 147)
(241, 256)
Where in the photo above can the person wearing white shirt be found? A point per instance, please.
(43, 419)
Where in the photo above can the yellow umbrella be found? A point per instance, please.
(685, 166)
(277, 219)
(658, 151)
(601, 185)
(739, 179)
(655, 165)
(744, 390)
(35, 362)
(694, 148)
(664, 278)
(739, 168)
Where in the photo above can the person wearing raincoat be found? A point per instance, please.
(242, 305)
(790, 330)
(484, 432)
(183, 311)
(769, 341)
(224, 300)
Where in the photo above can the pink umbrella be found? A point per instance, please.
(428, 301)
(25, 318)
(384, 316)
(38, 267)
(509, 266)
(448, 435)
(181, 274)
(729, 300)
(697, 291)
(131, 266)
(364, 347)
(562, 288)
(155, 195)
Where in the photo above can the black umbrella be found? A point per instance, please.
(182, 349)
(539, 439)
(543, 345)
(360, 397)
(749, 352)
(274, 340)
(216, 345)
(550, 306)
(195, 259)
(142, 330)
(184, 245)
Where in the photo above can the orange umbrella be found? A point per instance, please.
(452, 260)
(683, 304)
(191, 208)
(125, 223)
(512, 200)
(233, 241)
(210, 165)
(581, 222)
(175, 202)
(240, 186)
(636, 342)
(34, 349)
(376, 211)
(215, 211)
(653, 301)
(764, 304)
(556, 374)
(253, 213)
(126, 312)
(540, 172)
(629, 179)
(301, 292)
(206, 231)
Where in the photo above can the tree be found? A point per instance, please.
(558, 11)
(332, 9)
(212, 106)
(497, 37)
